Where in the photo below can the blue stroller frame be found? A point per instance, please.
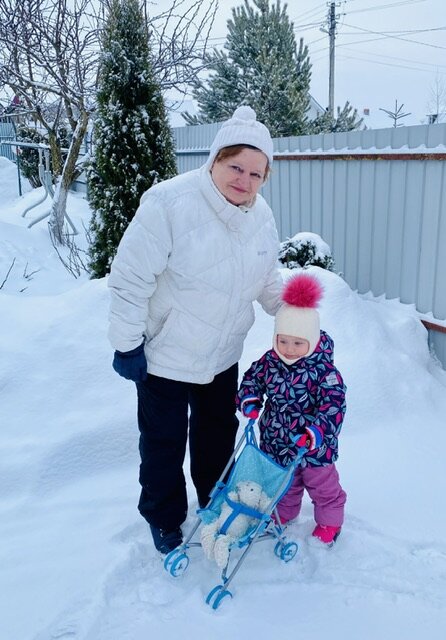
(250, 464)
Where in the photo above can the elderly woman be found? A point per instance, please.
(201, 248)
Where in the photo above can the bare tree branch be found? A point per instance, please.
(179, 40)
(49, 57)
(7, 274)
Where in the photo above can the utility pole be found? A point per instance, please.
(331, 23)
(331, 35)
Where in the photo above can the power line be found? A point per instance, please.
(386, 64)
(384, 35)
(314, 59)
(387, 6)
(310, 12)
(380, 33)
(343, 56)
(314, 42)
(399, 31)
(380, 55)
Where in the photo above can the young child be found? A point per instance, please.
(304, 406)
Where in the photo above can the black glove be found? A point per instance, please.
(131, 365)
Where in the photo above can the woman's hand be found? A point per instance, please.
(131, 365)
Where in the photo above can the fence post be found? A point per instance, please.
(18, 170)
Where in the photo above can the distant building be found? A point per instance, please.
(315, 109)
(436, 118)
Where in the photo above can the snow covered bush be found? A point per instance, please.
(29, 158)
(305, 249)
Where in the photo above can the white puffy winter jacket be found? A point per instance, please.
(186, 272)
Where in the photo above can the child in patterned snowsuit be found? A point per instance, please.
(304, 406)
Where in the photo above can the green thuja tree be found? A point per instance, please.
(133, 146)
(262, 67)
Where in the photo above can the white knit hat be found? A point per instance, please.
(298, 315)
(242, 128)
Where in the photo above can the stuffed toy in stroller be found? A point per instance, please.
(216, 538)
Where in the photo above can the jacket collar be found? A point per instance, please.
(235, 218)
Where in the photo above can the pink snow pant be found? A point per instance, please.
(325, 491)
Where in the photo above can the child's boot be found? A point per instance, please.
(326, 534)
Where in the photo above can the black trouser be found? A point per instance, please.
(163, 424)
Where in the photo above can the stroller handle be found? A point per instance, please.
(250, 438)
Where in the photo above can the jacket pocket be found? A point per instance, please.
(160, 336)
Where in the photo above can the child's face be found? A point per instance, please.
(291, 347)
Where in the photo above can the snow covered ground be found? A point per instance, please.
(76, 558)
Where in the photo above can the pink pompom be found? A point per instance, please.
(302, 290)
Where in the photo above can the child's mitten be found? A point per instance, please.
(311, 439)
(251, 407)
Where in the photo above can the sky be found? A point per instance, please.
(76, 558)
(385, 52)
(389, 54)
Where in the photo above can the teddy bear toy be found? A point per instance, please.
(216, 543)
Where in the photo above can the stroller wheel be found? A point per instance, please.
(176, 563)
(286, 551)
(216, 595)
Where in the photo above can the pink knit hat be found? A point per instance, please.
(298, 316)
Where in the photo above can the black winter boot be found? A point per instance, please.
(166, 541)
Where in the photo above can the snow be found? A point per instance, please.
(321, 248)
(403, 150)
(77, 560)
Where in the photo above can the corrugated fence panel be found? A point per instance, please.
(425, 300)
(411, 232)
(352, 219)
(7, 133)
(439, 307)
(379, 227)
(313, 196)
(302, 186)
(393, 245)
(187, 162)
(366, 209)
(437, 341)
(337, 210)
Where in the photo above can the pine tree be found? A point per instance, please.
(133, 141)
(345, 120)
(262, 68)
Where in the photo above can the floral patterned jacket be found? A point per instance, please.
(308, 393)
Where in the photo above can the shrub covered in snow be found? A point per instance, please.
(305, 249)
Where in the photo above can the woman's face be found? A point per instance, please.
(240, 177)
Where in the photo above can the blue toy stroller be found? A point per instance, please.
(251, 464)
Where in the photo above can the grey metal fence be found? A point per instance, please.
(7, 133)
(377, 197)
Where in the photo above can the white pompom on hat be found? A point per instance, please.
(298, 316)
(242, 128)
